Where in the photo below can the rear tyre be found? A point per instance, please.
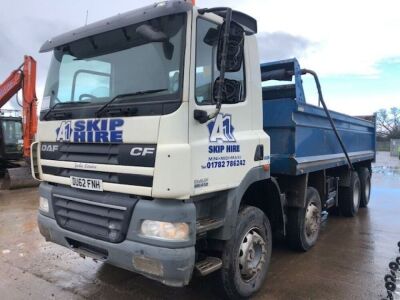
(365, 180)
(246, 256)
(349, 197)
(304, 223)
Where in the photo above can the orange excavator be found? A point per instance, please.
(16, 133)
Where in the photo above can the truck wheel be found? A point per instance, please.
(365, 180)
(349, 197)
(246, 256)
(304, 223)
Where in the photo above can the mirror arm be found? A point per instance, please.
(224, 56)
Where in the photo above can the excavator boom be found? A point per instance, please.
(23, 78)
(10, 87)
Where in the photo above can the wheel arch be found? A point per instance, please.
(266, 195)
(317, 180)
(252, 190)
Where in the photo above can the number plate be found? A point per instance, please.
(87, 183)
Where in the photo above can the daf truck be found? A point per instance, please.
(165, 148)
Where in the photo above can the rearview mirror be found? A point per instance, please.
(168, 49)
(235, 51)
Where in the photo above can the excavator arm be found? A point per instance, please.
(23, 78)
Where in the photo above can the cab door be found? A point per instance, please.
(11, 138)
(223, 148)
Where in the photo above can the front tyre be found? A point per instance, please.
(246, 256)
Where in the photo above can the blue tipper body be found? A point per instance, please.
(302, 139)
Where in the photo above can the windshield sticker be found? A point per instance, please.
(91, 131)
(224, 151)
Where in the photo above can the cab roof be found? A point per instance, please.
(156, 10)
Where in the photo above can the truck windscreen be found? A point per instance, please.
(143, 61)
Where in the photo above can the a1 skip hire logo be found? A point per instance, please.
(91, 131)
(221, 130)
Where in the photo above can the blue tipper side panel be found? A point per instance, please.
(302, 139)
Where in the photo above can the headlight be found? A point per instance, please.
(165, 230)
(44, 204)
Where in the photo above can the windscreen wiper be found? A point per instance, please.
(101, 109)
(61, 104)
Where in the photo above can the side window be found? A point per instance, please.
(89, 77)
(206, 63)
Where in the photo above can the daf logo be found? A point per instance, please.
(140, 151)
(49, 148)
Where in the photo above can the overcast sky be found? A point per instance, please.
(354, 45)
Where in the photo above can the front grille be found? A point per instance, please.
(104, 154)
(106, 219)
(119, 178)
(112, 154)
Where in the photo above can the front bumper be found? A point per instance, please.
(172, 267)
(171, 263)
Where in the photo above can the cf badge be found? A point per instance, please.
(140, 151)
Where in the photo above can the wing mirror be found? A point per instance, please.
(230, 56)
(235, 48)
(231, 91)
